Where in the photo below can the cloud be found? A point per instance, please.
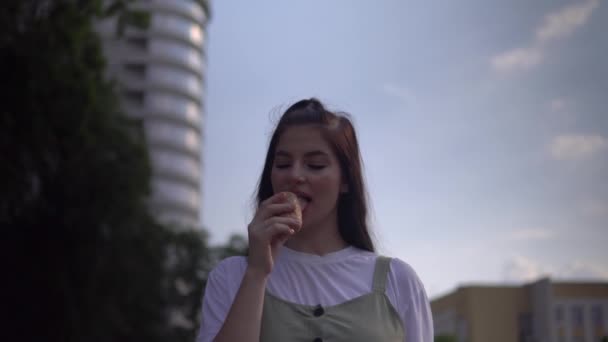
(582, 270)
(556, 25)
(521, 269)
(531, 234)
(595, 208)
(557, 105)
(569, 147)
(520, 58)
(400, 92)
(562, 23)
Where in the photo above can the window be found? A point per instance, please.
(176, 164)
(578, 328)
(597, 316)
(560, 323)
(177, 51)
(561, 335)
(176, 193)
(180, 108)
(135, 97)
(559, 314)
(178, 26)
(597, 322)
(138, 42)
(526, 333)
(577, 316)
(175, 79)
(136, 69)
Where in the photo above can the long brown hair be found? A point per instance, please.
(338, 131)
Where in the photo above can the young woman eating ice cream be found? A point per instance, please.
(312, 273)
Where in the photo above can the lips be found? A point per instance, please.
(303, 198)
(303, 203)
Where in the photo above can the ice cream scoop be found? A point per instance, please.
(297, 212)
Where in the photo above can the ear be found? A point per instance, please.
(343, 188)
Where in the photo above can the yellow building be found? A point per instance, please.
(542, 311)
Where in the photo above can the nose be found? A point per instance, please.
(296, 174)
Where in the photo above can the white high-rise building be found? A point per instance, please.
(160, 72)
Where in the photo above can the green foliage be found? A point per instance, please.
(187, 266)
(445, 338)
(237, 245)
(126, 16)
(85, 260)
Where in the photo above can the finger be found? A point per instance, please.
(261, 228)
(276, 198)
(275, 210)
(278, 230)
(286, 220)
(281, 239)
(265, 231)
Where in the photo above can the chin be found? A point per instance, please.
(306, 224)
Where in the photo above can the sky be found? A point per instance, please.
(483, 125)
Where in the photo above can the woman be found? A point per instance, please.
(318, 279)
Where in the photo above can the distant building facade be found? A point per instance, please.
(161, 73)
(543, 311)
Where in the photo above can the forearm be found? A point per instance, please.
(245, 316)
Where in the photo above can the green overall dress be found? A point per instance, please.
(367, 318)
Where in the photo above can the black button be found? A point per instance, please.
(318, 339)
(318, 312)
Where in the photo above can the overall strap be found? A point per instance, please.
(382, 267)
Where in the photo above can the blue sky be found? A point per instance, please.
(483, 125)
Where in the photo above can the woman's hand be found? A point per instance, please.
(267, 231)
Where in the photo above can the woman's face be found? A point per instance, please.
(305, 164)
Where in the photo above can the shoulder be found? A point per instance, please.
(231, 263)
(410, 300)
(221, 288)
(229, 268)
(402, 269)
(224, 279)
(404, 278)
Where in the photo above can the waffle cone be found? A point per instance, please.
(297, 213)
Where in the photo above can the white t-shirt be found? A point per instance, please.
(327, 280)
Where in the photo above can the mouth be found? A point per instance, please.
(303, 199)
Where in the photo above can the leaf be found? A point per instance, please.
(114, 8)
(138, 18)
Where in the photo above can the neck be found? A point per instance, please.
(321, 239)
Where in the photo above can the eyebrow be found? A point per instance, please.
(281, 153)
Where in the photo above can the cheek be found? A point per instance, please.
(274, 179)
(328, 185)
(278, 179)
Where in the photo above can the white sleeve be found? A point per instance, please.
(411, 302)
(222, 285)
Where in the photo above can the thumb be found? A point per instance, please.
(281, 239)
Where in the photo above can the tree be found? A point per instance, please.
(86, 260)
(236, 245)
(445, 338)
(190, 261)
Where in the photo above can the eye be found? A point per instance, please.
(316, 166)
(281, 166)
